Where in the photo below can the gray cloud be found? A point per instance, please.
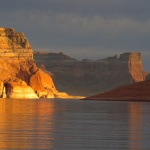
(81, 28)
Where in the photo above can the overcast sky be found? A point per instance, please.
(82, 28)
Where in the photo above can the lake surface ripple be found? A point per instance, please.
(56, 124)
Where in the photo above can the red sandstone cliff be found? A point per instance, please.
(19, 75)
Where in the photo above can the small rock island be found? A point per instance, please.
(19, 75)
(139, 91)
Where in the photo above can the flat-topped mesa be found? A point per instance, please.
(127, 62)
(14, 44)
(89, 77)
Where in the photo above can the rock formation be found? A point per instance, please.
(20, 77)
(136, 92)
(18, 89)
(14, 44)
(91, 77)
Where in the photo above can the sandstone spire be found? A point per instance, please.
(133, 63)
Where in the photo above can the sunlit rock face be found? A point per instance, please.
(89, 77)
(14, 44)
(19, 89)
(133, 63)
(43, 84)
(19, 75)
(2, 90)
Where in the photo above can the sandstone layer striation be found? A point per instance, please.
(14, 44)
(89, 77)
(19, 75)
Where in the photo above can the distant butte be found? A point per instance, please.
(88, 77)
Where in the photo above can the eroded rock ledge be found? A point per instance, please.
(88, 77)
(19, 75)
(14, 44)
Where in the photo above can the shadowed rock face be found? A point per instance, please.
(91, 77)
(137, 91)
(19, 75)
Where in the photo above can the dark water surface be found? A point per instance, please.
(74, 125)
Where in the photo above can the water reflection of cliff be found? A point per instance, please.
(21, 128)
(135, 126)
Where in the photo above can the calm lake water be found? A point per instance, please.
(74, 125)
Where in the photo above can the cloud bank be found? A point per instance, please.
(81, 28)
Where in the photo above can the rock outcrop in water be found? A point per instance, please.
(139, 91)
(91, 77)
(19, 75)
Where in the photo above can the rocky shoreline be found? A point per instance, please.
(139, 91)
